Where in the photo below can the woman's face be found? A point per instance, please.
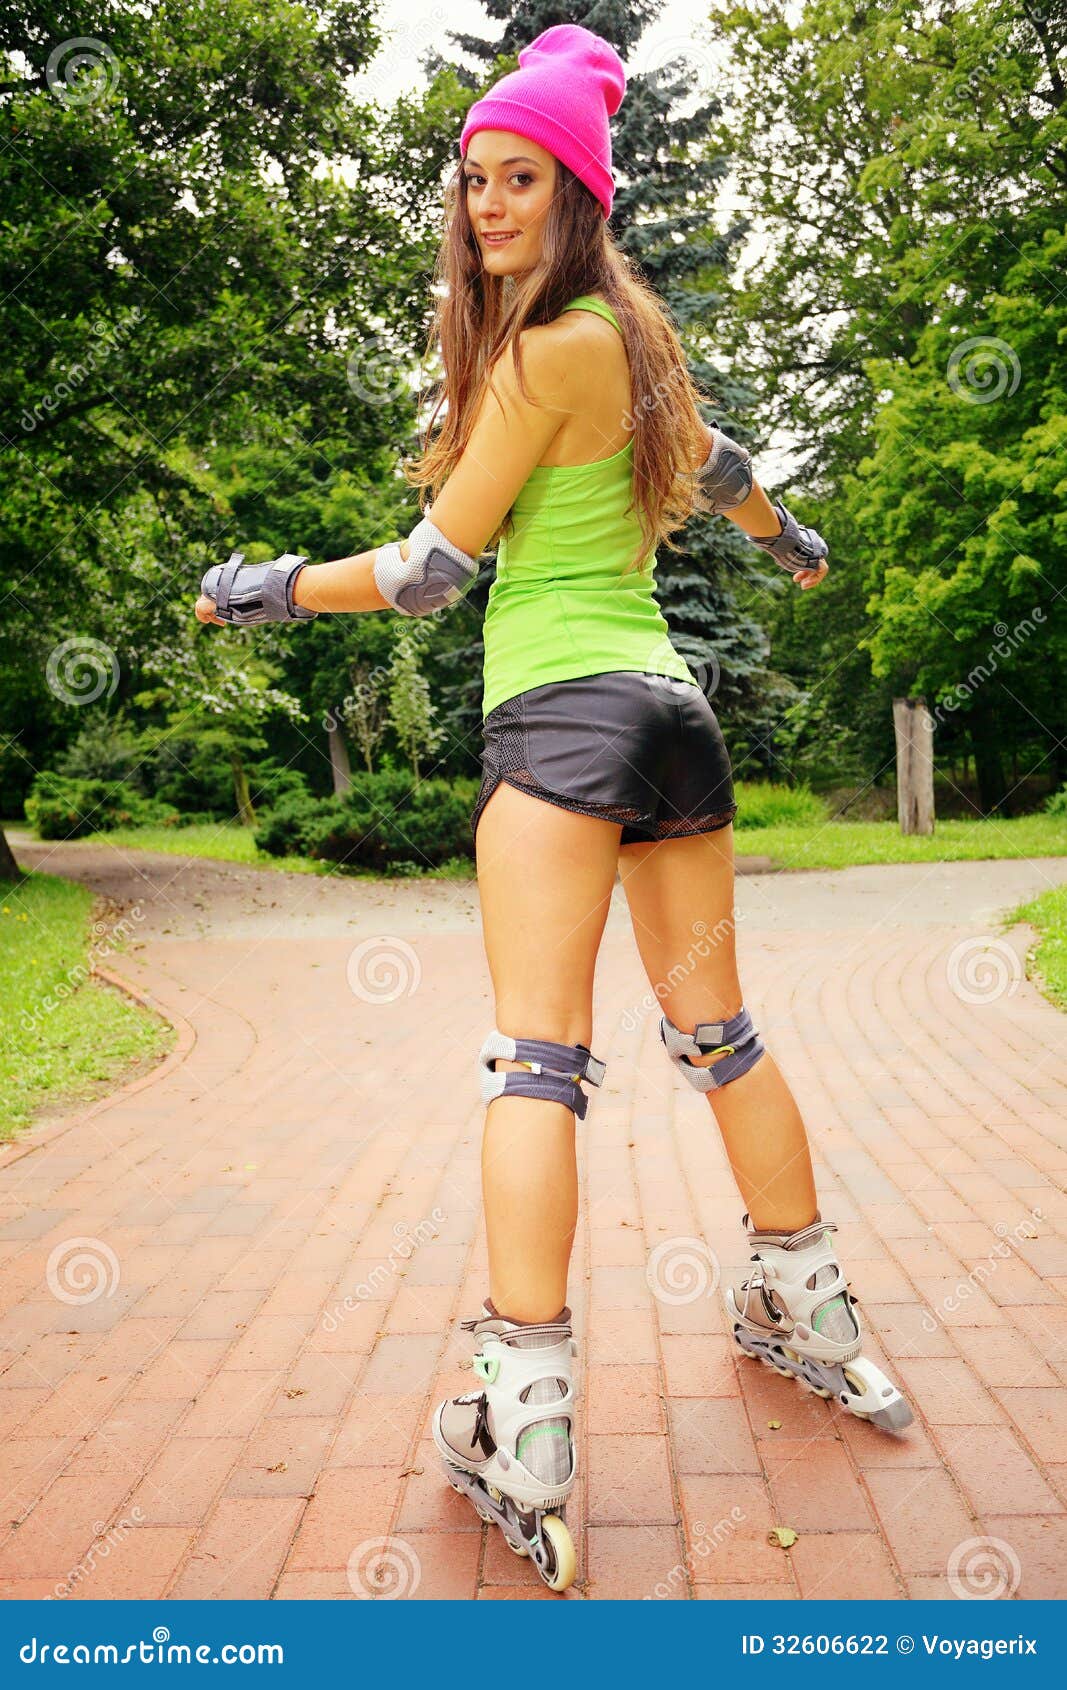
(510, 182)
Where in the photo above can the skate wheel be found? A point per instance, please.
(518, 1549)
(816, 1390)
(563, 1562)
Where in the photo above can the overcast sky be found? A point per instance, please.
(410, 25)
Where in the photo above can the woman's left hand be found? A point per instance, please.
(205, 611)
(811, 577)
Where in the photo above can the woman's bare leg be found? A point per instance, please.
(545, 877)
(671, 884)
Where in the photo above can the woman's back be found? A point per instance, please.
(563, 603)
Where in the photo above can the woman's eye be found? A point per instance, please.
(524, 174)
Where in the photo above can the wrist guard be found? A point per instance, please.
(247, 593)
(796, 547)
(726, 473)
(436, 573)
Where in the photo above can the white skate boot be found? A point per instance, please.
(509, 1446)
(793, 1312)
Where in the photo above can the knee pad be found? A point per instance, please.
(737, 1037)
(555, 1070)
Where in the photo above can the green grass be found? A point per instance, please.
(846, 844)
(1048, 964)
(65, 1038)
(791, 845)
(229, 842)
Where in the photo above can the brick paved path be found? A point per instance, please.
(284, 1225)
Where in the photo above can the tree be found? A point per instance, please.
(184, 276)
(905, 165)
(410, 708)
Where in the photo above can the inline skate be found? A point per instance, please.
(509, 1446)
(793, 1312)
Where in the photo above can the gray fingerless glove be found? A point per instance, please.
(249, 593)
(796, 547)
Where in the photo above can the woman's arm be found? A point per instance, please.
(756, 513)
(743, 501)
(346, 584)
(504, 446)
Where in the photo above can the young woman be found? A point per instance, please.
(572, 437)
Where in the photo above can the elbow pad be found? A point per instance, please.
(726, 473)
(796, 547)
(436, 573)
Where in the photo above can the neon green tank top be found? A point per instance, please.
(560, 605)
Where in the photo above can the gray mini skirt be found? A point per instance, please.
(645, 751)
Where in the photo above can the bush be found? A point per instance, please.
(382, 821)
(106, 749)
(60, 808)
(765, 805)
(270, 781)
(189, 775)
(1056, 803)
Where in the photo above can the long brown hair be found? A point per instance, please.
(478, 315)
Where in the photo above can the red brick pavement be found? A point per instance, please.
(285, 1221)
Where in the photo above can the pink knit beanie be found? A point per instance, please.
(569, 83)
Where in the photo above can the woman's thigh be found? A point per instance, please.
(680, 894)
(545, 877)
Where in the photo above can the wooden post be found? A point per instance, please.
(914, 728)
(339, 759)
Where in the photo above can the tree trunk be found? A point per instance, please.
(339, 761)
(9, 868)
(914, 728)
(988, 767)
(242, 795)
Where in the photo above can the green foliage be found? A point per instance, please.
(62, 808)
(1056, 804)
(105, 750)
(381, 821)
(215, 273)
(762, 804)
(1048, 963)
(905, 326)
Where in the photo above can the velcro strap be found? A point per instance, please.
(576, 1060)
(226, 580)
